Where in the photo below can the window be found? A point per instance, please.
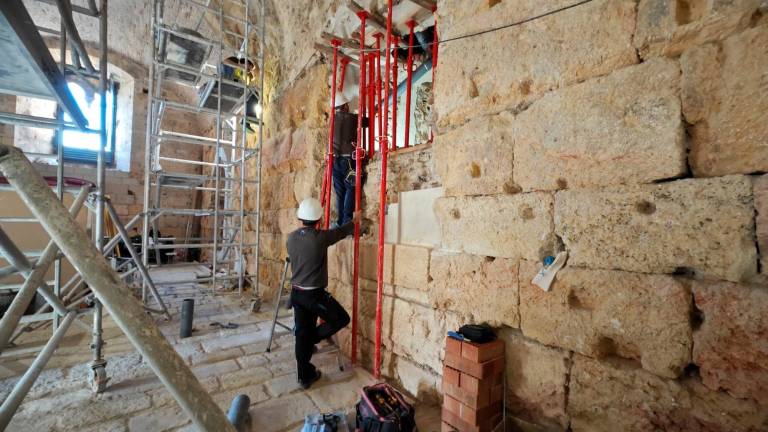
(84, 146)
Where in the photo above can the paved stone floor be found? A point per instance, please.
(228, 362)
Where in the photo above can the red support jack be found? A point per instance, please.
(328, 178)
(344, 63)
(394, 102)
(435, 42)
(371, 105)
(409, 68)
(382, 211)
(379, 106)
(359, 155)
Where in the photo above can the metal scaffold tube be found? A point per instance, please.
(127, 312)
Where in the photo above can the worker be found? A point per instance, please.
(307, 250)
(344, 164)
(244, 71)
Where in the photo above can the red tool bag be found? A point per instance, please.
(384, 409)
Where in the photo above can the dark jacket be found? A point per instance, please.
(308, 250)
(345, 132)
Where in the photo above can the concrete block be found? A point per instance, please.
(617, 396)
(730, 346)
(392, 225)
(666, 27)
(664, 228)
(476, 158)
(368, 261)
(509, 226)
(419, 224)
(411, 266)
(726, 100)
(619, 129)
(480, 289)
(537, 379)
(601, 313)
(514, 67)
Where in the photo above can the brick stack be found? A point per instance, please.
(473, 386)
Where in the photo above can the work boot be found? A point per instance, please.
(307, 384)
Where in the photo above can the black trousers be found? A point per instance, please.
(308, 305)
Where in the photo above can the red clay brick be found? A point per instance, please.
(488, 425)
(451, 376)
(476, 386)
(479, 353)
(473, 400)
(497, 393)
(477, 370)
(452, 346)
(479, 416)
(447, 428)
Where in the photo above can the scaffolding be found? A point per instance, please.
(31, 71)
(228, 93)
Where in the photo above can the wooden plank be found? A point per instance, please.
(429, 5)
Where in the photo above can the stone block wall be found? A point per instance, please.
(630, 134)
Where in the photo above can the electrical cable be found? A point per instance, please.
(489, 30)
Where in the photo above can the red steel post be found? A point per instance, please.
(358, 185)
(379, 106)
(328, 180)
(371, 105)
(409, 83)
(344, 64)
(394, 102)
(382, 210)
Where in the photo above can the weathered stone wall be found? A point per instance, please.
(631, 134)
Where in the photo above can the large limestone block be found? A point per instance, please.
(620, 129)
(480, 289)
(701, 225)
(601, 313)
(420, 225)
(411, 266)
(615, 396)
(725, 98)
(508, 69)
(669, 27)
(369, 261)
(761, 220)
(340, 261)
(476, 158)
(367, 296)
(509, 226)
(537, 379)
(308, 147)
(281, 157)
(418, 332)
(731, 346)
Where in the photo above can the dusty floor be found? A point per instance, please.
(227, 362)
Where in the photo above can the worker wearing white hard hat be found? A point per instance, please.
(308, 254)
(344, 164)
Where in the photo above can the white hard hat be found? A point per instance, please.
(310, 210)
(341, 99)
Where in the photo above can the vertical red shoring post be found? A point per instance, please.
(382, 208)
(411, 24)
(394, 101)
(358, 184)
(435, 41)
(344, 64)
(379, 106)
(371, 105)
(328, 178)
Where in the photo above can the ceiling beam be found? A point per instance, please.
(430, 5)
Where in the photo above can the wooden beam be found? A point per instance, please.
(429, 5)
(346, 43)
(323, 48)
(374, 19)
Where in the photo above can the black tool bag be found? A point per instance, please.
(384, 409)
(478, 333)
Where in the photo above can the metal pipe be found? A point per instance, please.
(328, 181)
(136, 258)
(35, 277)
(240, 254)
(59, 166)
(238, 412)
(435, 43)
(363, 15)
(382, 218)
(127, 312)
(409, 84)
(344, 63)
(217, 160)
(371, 105)
(379, 108)
(187, 315)
(22, 387)
(148, 151)
(262, 44)
(65, 11)
(394, 101)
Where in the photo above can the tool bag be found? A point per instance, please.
(384, 409)
(334, 422)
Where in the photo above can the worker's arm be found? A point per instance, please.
(334, 236)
